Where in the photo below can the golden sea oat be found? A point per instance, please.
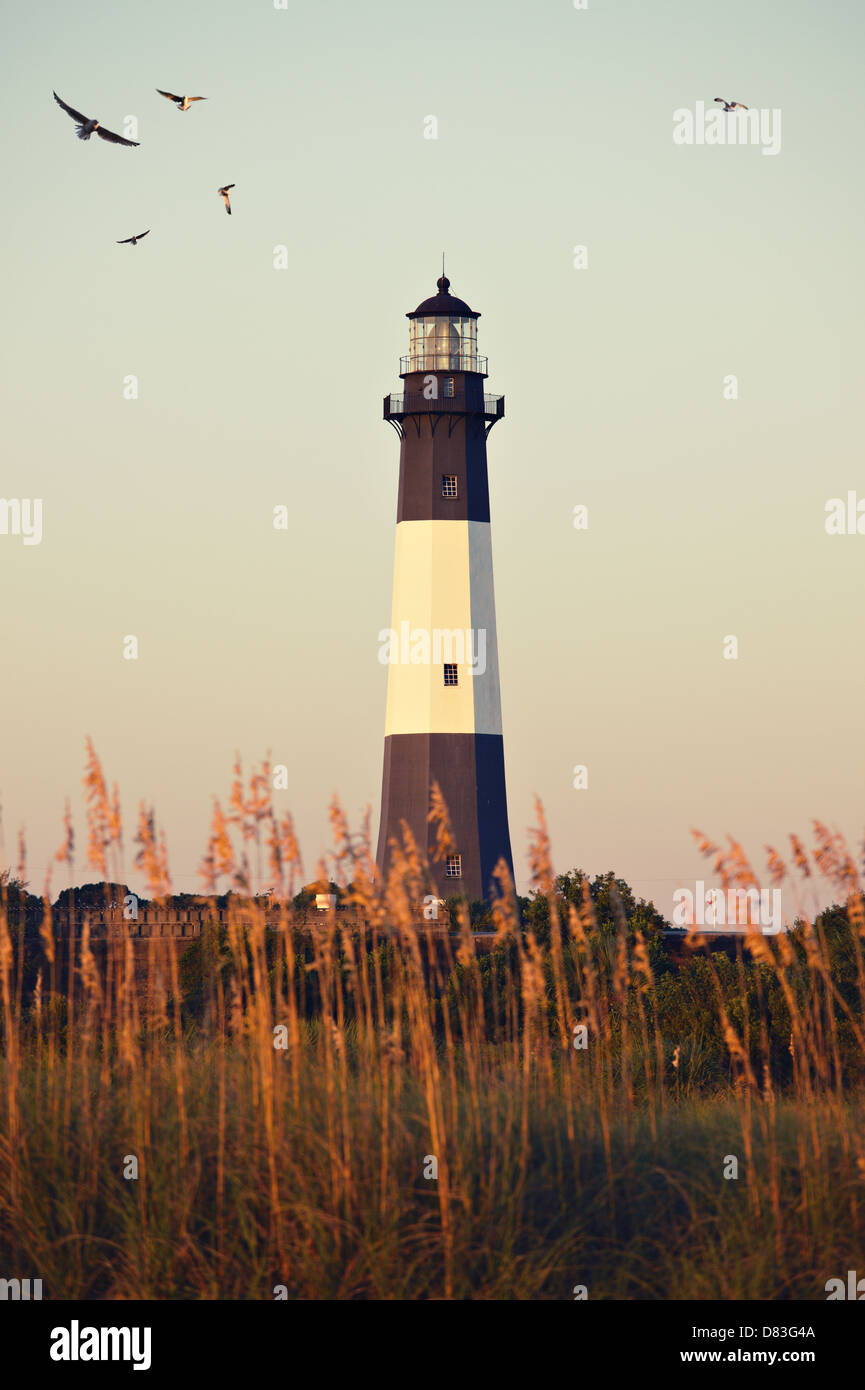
(259, 805)
(704, 844)
(440, 818)
(505, 909)
(274, 882)
(223, 852)
(152, 856)
(342, 840)
(741, 865)
(540, 856)
(98, 812)
(800, 856)
(828, 852)
(236, 799)
(207, 871)
(290, 850)
(115, 820)
(776, 867)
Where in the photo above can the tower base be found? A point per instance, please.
(470, 770)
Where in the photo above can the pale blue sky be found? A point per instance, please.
(259, 387)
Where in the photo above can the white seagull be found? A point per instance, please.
(223, 193)
(87, 126)
(731, 105)
(182, 103)
(133, 240)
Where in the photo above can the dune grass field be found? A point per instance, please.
(363, 1104)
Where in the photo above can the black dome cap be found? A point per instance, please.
(443, 303)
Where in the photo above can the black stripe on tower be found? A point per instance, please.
(470, 770)
(445, 442)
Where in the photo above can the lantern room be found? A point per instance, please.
(443, 336)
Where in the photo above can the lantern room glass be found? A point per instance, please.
(442, 342)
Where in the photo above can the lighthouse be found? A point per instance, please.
(444, 721)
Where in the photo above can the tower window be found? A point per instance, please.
(449, 485)
(451, 673)
(449, 386)
(454, 866)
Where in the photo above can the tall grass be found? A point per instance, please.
(362, 1106)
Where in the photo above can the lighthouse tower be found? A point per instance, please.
(444, 719)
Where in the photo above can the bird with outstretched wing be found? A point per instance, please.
(182, 103)
(87, 126)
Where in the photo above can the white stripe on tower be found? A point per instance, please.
(443, 582)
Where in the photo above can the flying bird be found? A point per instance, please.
(87, 125)
(731, 105)
(133, 240)
(182, 103)
(223, 193)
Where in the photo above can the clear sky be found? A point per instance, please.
(259, 387)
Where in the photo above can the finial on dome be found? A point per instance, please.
(443, 302)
